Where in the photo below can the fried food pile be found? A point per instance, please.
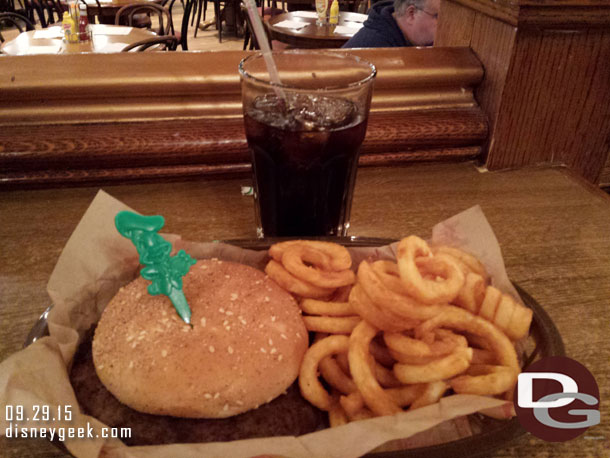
(399, 335)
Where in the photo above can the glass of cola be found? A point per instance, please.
(304, 137)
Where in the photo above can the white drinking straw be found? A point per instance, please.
(261, 37)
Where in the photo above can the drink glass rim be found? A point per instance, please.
(353, 84)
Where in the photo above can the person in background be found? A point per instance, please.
(398, 23)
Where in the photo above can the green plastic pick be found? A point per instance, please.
(163, 270)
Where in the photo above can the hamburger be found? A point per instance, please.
(243, 348)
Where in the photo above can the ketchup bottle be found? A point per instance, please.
(83, 23)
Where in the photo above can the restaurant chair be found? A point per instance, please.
(265, 14)
(166, 43)
(201, 5)
(131, 15)
(51, 8)
(218, 17)
(104, 15)
(14, 20)
(188, 8)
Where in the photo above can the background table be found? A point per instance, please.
(553, 230)
(101, 43)
(313, 36)
(106, 10)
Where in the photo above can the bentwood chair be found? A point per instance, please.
(130, 15)
(165, 43)
(52, 11)
(14, 20)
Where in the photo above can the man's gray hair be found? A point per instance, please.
(400, 6)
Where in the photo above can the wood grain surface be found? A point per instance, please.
(129, 118)
(547, 87)
(552, 228)
(100, 43)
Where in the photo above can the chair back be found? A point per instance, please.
(14, 20)
(166, 43)
(126, 15)
(51, 8)
(250, 30)
(188, 9)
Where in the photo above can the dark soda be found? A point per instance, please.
(305, 155)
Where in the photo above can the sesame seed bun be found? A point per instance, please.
(244, 349)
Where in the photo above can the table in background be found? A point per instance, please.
(105, 10)
(552, 227)
(104, 41)
(313, 36)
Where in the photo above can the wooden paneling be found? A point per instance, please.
(604, 179)
(455, 25)
(556, 103)
(179, 116)
(545, 13)
(546, 90)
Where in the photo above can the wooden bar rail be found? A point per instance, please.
(87, 119)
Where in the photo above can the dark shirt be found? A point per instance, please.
(380, 30)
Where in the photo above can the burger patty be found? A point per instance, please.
(287, 415)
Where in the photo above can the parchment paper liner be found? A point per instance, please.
(96, 261)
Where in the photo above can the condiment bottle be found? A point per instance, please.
(83, 23)
(334, 12)
(69, 27)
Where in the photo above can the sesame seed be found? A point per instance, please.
(219, 262)
(164, 353)
(100, 367)
(225, 322)
(203, 266)
(234, 296)
(263, 350)
(283, 336)
(270, 342)
(228, 328)
(227, 276)
(141, 337)
(257, 282)
(203, 322)
(133, 345)
(273, 350)
(299, 335)
(211, 348)
(229, 313)
(142, 332)
(239, 403)
(273, 318)
(138, 296)
(214, 259)
(260, 325)
(221, 310)
(230, 350)
(185, 329)
(225, 407)
(267, 299)
(207, 396)
(130, 364)
(217, 395)
(280, 357)
(130, 338)
(244, 322)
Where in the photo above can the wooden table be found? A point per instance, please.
(313, 36)
(552, 227)
(105, 40)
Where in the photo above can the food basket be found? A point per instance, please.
(488, 434)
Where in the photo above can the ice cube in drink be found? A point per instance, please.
(304, 153)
